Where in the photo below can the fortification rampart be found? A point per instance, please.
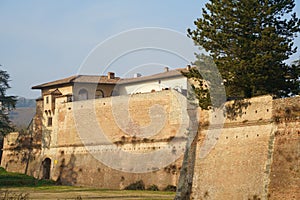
(156, 122)
(256, 156)
(255, 152)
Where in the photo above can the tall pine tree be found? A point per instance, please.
(249, 40)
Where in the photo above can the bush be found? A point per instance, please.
(139, 185)
(170, 188)
(153, 188)
(2, 170)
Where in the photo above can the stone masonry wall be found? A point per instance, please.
(255, 157)
(73, 149)
(285, 170)
(22, 151)
(75, 142)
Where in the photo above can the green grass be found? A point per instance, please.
(16, 184)
(11, 179)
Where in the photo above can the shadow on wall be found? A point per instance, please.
(24, 150)
(67, 174)
(235, 110)
(1, 147)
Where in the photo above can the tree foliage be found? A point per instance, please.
(207, 83)
(7, 103)
(249, 40)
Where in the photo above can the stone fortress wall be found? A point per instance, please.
(74, 155)
(256, 152)
(255, 156)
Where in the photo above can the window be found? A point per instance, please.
(99, 94)
(69, 98)
(47, 100)
(49, 121)
(82, 94)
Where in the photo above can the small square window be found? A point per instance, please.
(49, 121)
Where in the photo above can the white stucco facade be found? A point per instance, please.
(178, 83)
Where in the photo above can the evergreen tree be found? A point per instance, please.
(249, 40)
(206, 83)
(293, 76)
(7, 103)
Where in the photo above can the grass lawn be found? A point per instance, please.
(10, 179)
(19, 186)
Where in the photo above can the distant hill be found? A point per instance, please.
(25, 103)
(24, 112)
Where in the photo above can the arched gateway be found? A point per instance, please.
(46, 164)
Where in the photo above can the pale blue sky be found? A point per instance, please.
(46, 40)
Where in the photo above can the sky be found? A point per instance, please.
(42, 41)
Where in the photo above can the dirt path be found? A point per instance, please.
(82, 193)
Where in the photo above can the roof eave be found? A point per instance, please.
(142, 79)
(50, 86)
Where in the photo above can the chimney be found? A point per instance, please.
(188, 67)
(110, 75)
(166, 69)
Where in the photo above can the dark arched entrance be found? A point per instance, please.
(46, 168)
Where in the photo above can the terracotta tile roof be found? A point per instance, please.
(57, 82)
(167, 74)
(106, 80)
(79, 79)
(95, 79)
(54, 92)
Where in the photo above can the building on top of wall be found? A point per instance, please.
(87, 87)
(167, 80)
(74, 88)
(84, 87)
(70, 110)
(103, 86)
